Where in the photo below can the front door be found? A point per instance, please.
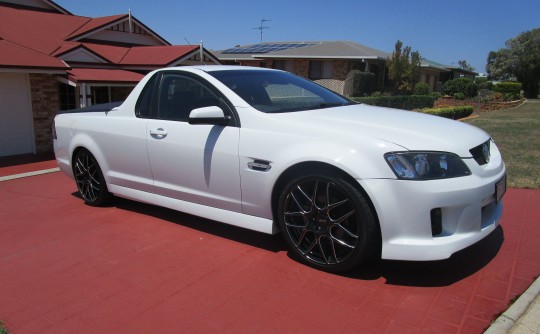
(194, 163)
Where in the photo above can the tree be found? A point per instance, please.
(464, 65)
(404, 68)
(519, 60)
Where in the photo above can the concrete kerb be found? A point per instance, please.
(39, 172)
(511, 317)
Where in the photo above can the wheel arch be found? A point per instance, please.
(85, 142)
(317, 167)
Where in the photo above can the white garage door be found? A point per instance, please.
(16, 127)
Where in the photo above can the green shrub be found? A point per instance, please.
(376, 94)
(363, 83)
(454, 86)
(435, 95)
(484, 84)
(459, 96)
(464, 86)
(421, 88)
(480, 80)
(472, 89)
(510, 90)
(407, 102)
(451, 112)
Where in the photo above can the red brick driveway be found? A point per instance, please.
(134, 268)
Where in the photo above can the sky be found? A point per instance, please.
(442, 31)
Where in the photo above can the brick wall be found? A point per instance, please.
(340, 69)
(44, 91)
(301, 68)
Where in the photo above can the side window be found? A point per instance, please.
(143, 108)
(179, 95)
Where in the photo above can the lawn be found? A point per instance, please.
(517, 134)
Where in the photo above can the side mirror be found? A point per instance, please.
(212, 115)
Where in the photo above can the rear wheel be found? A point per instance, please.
(327, 222)
(89, 179)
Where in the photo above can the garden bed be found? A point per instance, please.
(445, 102)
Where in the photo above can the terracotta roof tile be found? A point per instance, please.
(94, 24)
(103, 75)
(14, 55)
(43, 32)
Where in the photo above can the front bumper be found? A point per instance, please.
(468, 206)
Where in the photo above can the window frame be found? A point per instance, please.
(155, 84)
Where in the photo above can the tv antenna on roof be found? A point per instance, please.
(262, 27)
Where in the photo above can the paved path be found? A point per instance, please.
(134, 268)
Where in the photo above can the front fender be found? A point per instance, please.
(360, 161)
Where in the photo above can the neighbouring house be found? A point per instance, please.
(329, 63)
(436, 74)
(457, 72)
(53, 60)
(433, 74)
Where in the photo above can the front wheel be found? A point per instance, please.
(327, 222)
(89, 178)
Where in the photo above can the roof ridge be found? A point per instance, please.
(88, 19)
(112, 18)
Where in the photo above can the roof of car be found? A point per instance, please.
(213, 68)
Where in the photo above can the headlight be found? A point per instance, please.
(426, 165)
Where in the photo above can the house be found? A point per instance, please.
(53, 60)
(329, 63)
(458, 72)
(433, 74)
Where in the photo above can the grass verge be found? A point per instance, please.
(517, 134)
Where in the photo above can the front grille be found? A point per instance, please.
(482, 153)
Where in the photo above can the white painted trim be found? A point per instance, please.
(66, 81)
(29, 90)
(134, 21)
(81, 49)
(194, 53)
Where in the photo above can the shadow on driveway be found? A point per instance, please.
(401, 273)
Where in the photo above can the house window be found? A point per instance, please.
(279, 64)
(100, 95)
(66, 96)
(106, 94)
(320, 69)
(285, 65)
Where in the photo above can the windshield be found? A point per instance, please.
(277, 91)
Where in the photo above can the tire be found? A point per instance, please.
(327, 223)
(89, 179)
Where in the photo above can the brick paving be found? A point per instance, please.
(134, 268)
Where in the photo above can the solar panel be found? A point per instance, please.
(265, 48)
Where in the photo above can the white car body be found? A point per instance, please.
(208, 170)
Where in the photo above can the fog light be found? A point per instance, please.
(436, 221)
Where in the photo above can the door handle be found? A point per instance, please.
(158, 133)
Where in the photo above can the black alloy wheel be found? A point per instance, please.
(89, 179)
(327, 222)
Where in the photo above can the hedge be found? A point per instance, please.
(451, 112)
(464, 86)
(363, 83)
(510, 90)
(407, 102)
